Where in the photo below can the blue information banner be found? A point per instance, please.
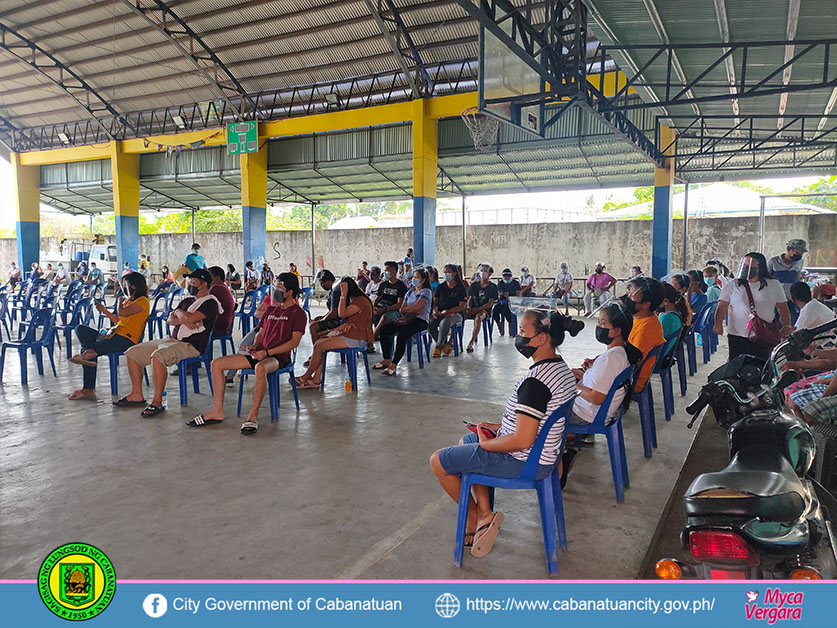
(365, 604)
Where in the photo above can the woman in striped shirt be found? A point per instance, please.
(547, 384)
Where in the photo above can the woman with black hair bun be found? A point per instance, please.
(545, 387)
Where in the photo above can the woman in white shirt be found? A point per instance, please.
(768, 296)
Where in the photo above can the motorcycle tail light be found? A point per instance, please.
(805, 573)
(727, 548)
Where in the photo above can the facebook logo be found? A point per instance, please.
(155, 605)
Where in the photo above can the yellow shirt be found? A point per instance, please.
(131, 327)
(646, 334)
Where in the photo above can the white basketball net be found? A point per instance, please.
(483, 128)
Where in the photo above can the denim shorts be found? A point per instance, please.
(471, 458)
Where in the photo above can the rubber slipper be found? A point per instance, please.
(151, 411)
(390, 371)
(249, 427)
(87, 362)
(127, 403)
(485, 541)
(308, 384)
(199, 421)
(378, 366)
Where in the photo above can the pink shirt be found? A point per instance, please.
(599, 282)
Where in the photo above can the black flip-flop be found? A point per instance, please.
(127, 403)
(249, 427)
(151, 411)
(199, 421)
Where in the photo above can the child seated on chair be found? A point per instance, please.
(547, 384)
(191, 324)
(355, 309)
(279, 332)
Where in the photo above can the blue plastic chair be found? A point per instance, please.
(176, 294)
(488, 329)
(550, 501)
(224, 340)
(663, 367)
(81, 314)
(113, 366)
(247, 310)
(513, 325)
(5, 315)
(613, 433)
(423, 343)
(306, 303)
(272, 387)
(44, 321)
(157, 315)
(349, 354)
(680, 358)
(192, 364)
(645, 402)
(705, 328)
(691, 345)
(457, 333)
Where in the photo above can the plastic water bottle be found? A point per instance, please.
(348, 384)
(165, 400)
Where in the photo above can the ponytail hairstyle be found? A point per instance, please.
(354, 291)
(676, 299)
(457, 274)
(624, 322)
(556, 326)
(697, 277)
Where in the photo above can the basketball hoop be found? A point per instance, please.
(483, 128)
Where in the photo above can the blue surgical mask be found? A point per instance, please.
(416, 282)
(448, 276)
(506, 279)
(387, 275)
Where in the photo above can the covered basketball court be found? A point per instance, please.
(123, 107)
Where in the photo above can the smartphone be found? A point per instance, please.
(485, 430)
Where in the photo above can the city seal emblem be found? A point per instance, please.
(76, 581)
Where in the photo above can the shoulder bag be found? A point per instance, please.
(758, 329)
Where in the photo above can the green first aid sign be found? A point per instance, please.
(242, 137)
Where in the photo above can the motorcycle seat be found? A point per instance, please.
(756, 483)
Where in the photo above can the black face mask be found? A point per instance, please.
(599, 271)
(603, 335)
(521, 343)
(796, 257)
(630, 305)
(193, 290)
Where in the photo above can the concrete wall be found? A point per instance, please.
(541, 247)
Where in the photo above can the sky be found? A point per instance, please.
(568, 200)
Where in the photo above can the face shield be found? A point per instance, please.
(748, 268)
(277, 293)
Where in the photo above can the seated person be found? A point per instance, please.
(94, 275)
(599, 284)
(506, 288)
(696, 291)
(710, 278)
(233, 278)
(414, 317)
(166, 279)
(391, 294)
(527, 283)
(562, 287)
(191, 325)
(375, 279)
(355, 332)
(279, 332)
(812, 313)
(14, 275)
(252, 277)
(482, 295)
(596, 375)
(449, 303)
(218, 289)
(81, 270)
(681, 283)
(643, 299)
(128, 325)
(321, 325)
(267, 275)
(62, 278)
(363, 276)
(672, 315)
(547, 384)
(824, 291)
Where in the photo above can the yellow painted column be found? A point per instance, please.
(125, 172)
(425, 167)
(254, 203)
(662, 220)
(27, 181)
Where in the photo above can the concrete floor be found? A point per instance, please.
(341, 489)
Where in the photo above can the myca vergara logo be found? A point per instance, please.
(777, 606)
(76, 581)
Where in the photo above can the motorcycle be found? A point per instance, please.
(761, 517)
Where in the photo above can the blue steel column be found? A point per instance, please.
(662, 222)
(425, 165)
(126, 197)
(254, 204)
(27, 181)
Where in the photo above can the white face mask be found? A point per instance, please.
(485, 275)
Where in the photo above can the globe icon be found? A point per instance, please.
(447, 605)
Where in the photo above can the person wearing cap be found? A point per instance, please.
(562, 287)
(191, 325)
(598, 284)
(527, 283)
(506, 287)
(787, 269)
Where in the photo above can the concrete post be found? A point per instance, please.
(254, 205)
(662, 222)
(126, 197)
(425, 165)
(27, 181)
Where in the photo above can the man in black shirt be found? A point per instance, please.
(506, 288)
(391, 295)
(450, 301)
(481, 298)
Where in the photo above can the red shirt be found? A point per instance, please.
(278, 325)
(224, 322)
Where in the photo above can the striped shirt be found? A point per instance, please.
(547, 385)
